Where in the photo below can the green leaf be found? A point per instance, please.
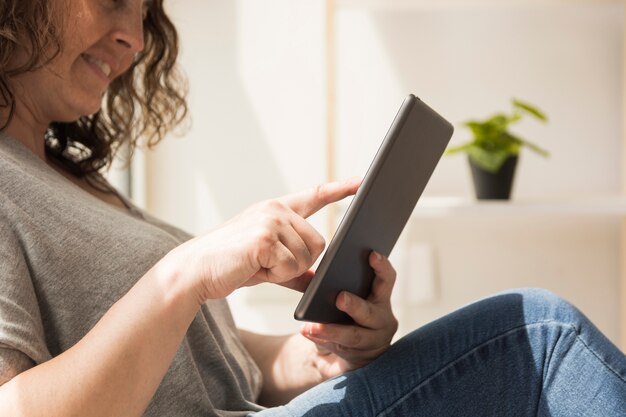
(530, 109)
(514, 118)
(536, 148)
(479, 130)
(497, 123)
(457, 149)
(492, 143)
(510, 141)
(490, 161)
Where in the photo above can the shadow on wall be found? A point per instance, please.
(226, 149)
(469, 62)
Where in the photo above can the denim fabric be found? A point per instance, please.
(519, 353)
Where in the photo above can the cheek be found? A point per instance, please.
(81, 30)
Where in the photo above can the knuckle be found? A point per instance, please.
(303, 257)
(270, 222)
(368, 312)
(392, 278)
(388, 276)
(319, 244)
(265, 236)
(308, 263)
(319, 191)
(305, 261)
(301, 266)
(272, 206)
(339, 348)
(285, 267)
(393, 325)
(294, 267)
(356, 336)
(392, 271)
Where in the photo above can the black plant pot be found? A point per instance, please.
(490, 186)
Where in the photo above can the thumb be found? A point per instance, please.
(300, 283)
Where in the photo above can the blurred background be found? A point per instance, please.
(285, 94)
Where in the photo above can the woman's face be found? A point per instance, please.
(100, 40)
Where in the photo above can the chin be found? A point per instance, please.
(92, 108)
(85, 104)
(83, 111)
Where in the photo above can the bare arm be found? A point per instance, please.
(287, 364)
(116, 368)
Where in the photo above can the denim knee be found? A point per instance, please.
(541, 305)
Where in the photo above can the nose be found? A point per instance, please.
(129, 33)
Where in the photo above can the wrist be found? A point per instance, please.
(172, 280)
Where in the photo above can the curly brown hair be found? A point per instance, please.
(143, 104)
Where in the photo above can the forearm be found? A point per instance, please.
(287, 364)
(116, 368)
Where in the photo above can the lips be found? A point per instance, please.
(103, 66)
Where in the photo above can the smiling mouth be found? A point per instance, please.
(103, 66)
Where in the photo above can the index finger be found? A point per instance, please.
(308, 202)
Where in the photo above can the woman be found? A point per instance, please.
(107, 311)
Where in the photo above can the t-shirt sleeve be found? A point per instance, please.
(22, 339)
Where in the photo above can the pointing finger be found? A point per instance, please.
(308, 202)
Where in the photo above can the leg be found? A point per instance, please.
(521, 353)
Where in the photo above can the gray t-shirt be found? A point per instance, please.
(66, 257)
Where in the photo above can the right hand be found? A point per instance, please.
(268, 242)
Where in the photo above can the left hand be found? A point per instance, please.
(345, 347)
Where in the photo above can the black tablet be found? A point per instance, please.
(388, 194)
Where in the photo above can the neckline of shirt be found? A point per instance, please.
(24, 151)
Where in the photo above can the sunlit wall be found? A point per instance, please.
(258, 105)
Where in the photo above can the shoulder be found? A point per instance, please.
(21, 175)
(7, 231)
(14, 273)
(22, 341)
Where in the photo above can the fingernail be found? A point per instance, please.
(313, 329)
(346, 299)
(378, 256)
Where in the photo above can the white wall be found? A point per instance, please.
(256, 102)
(467, 62)
(256, 70)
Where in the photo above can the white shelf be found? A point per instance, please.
(559, 206)
(446, 4)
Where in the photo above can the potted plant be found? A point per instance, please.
(493, 152)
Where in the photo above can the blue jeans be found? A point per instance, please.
(520, 353)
